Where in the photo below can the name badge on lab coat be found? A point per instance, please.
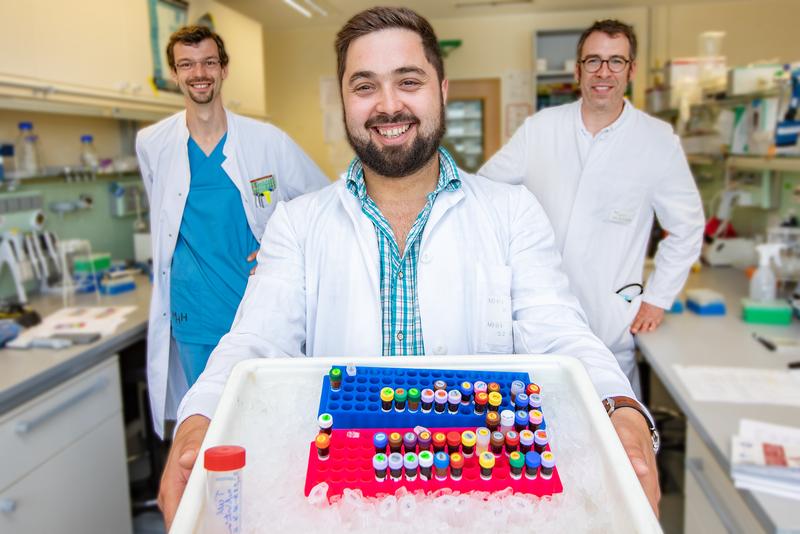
(621, 216)
(495, 325)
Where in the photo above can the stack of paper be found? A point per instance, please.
(766, 457)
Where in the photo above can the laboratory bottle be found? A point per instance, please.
(224, 465)
(88, 153)
(26, 156)
(763, 283)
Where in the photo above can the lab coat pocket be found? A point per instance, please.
(620, 207)
(493, 309)
(616, 335)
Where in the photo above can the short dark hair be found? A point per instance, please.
(610, 27)
(384, 18)
(192, 35)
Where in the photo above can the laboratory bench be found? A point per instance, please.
(64, 465)
(712, 504)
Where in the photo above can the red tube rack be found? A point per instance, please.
(357, 473)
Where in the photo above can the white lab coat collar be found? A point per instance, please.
(581, 127)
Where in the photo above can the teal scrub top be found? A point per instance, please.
(209, 265)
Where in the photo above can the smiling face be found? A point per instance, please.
(393, 102)
(604, 90)
(201, 83)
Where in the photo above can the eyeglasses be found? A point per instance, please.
(616, 64)
(210, 64)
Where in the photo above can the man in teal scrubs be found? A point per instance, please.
(213, 178)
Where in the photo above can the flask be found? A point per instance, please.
(88, 153)
(26, 160)
(224, 466)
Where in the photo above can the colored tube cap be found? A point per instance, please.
(454, 396)
(425, 459)
(413, 394)
(440, 396)
(548, 459)
(335, 373)
(439, 384)
(535, 400)
(380, 440)
(424, 437)
(521, 402)
(395, 438)
(479, 386)
(441, 459)
(540, 437)
(532, 388)
(400, 394)
(427, 395)
(325, 421)
(493, 387)
(515, 459)
(526, 437)
(409, 439)
(380, 461)
(456, 460)
(521, 417)
(410, 460)
(492, 418)
(532, 459)
(535, 417)
(482, 435)
(395, 460)
(498, 438)
(468, 438)
(486, 460)
(454, 438)
(225, 457)
(512, 438)
(495, 399)
(507, 418)
(465, 388)
(439, 439)
(387, 394)
(323, 441)
(517, 386)
(481, 398)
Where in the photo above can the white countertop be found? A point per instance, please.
(690, 339)
(24, 374)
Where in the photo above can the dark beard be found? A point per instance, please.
(397, 161)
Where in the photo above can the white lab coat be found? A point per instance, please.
(602, 209)
(488, 282)
(252, 150)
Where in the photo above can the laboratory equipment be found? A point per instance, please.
(26, 152)
(703, 301)
(787, 132)
(763, 283)
(722, 247)
(224, 466)
(89, 156)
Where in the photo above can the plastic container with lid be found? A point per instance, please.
(89, 156)
(224, 466)
(26, 151)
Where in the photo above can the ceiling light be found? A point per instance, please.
(313, 5)
(297, 7)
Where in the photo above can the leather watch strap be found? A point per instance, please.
(611, 404)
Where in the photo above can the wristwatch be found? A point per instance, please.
(614, 403)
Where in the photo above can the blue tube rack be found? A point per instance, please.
(357, 403)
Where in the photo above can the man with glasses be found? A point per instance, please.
(213, 179)
(601, 169)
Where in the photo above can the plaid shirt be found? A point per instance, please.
(401, 323)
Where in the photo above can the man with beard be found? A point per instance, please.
(602, 169)
(213, 179)
(406, 255)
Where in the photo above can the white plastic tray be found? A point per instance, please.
(250, 414)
